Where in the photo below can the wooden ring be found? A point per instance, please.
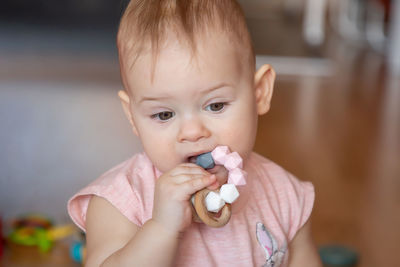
(209, 217)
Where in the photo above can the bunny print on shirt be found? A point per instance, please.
(274, 256)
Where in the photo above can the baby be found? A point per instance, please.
(188, 69)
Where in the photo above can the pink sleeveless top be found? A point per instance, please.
(272, 207)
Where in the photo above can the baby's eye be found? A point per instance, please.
(215, 106)
(163, 116)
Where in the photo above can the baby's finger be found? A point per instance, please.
(192, 186)
(187, 168)
(214, 186)
(222, 175)
(183, 178)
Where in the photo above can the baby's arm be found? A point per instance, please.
(112, 240)
(302, 249)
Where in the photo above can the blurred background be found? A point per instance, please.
(335, 116)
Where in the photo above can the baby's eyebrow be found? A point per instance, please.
(213, 88)
(166, 97)
(153, 98)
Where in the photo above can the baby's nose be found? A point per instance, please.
(193, 129)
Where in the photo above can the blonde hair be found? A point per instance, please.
(147, 22)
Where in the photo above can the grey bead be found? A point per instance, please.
(205, 160)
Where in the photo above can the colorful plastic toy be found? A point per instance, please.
(337, 255)
(78, 251)
(36, 230)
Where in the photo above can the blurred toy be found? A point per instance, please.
(78, 251)
(32, 220)
(36, 230)
(337, 255)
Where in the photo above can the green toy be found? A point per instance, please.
(38, 231)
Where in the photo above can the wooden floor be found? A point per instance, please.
(22, 256)
(343, 134)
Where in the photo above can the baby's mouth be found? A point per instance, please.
(192, 159)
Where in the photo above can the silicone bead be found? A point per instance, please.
(237, 177)
(229, 193)
(205, 160)
(233, 161)
(219, 154)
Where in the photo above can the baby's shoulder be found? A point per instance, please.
(276, 182)
(127, 186)
(134, 168)
(136, 163)
(281, 193)
(266, 169)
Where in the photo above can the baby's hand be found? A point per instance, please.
(222, 177)
(173, 192)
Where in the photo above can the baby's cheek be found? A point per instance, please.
(239, 139)
(159, 152)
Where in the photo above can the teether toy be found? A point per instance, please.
(229, 193)
(207, 204)
(205, 160)
(207, 217)
(214, 202)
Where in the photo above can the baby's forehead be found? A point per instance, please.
(216, 54)
(213, 48)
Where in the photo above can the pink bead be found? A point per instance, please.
(237, 177)
(219, 154)
(233, 161)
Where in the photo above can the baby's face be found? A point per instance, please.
(194, 104)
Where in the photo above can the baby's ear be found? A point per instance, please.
(125, 101)
(264, 86)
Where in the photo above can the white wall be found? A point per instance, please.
(56, 137)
